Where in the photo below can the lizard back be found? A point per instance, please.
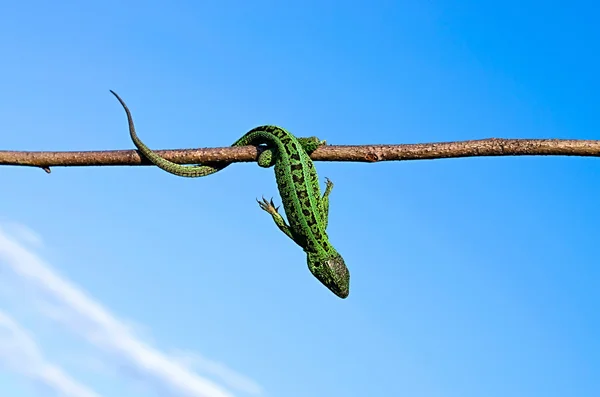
(298, 185)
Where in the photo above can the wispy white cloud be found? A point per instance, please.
(219, 370)
(23, 233)
(71, 306)
(20, 353)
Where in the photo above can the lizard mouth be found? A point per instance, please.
(339, 292)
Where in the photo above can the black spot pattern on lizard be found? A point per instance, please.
(299, 173)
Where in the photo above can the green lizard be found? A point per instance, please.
(306, 210)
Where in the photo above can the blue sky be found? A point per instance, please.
(470, 277)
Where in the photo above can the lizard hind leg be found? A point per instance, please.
(311, 144)
(266, 158)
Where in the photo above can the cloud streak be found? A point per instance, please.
(92, 321)
(20, 353)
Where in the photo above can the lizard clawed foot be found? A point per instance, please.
(328, 183)
(268, 206)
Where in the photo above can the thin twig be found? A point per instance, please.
(363, 153)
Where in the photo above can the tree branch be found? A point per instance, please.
(364, 153)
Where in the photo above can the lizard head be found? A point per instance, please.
(331, 271)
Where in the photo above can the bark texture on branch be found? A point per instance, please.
(362, 153)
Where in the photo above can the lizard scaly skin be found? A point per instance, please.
(306, 210)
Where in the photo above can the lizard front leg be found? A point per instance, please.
(269, 207)
(325, 202)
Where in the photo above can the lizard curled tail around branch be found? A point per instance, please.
(307, 211)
